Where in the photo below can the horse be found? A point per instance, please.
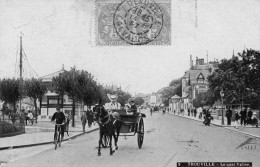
(108, 125)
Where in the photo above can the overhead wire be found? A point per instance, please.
(30, 64)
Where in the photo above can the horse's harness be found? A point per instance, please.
(101, 119)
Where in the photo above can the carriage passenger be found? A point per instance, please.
(113, 104)
(133, 107)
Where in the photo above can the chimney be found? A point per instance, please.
(63, 67)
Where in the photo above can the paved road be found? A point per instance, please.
(168, 139)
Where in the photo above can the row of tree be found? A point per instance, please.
(238, 78)
(80, 86)
(174, 88)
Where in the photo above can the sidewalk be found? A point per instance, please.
(39, 134)
(248, 130)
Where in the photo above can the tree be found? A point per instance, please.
(139, 101)
(238, 78)
(35, 89)
(78, 85)
(174, 88)
(176, 84)
(10, 91)
(204, 99)
(166, 93)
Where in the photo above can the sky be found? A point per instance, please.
(57, 32)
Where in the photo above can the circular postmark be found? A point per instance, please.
(138, 22)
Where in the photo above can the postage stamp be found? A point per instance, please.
(133, 22)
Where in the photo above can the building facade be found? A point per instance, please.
(195, 81)
(51, 100)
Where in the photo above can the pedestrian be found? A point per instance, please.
(204, 111)
(189, 111)
(89, 114)
(249, 116)
(237, 117)
(243, 116)
(192, 111)
(229, 115)
(174, 112)
(208, 118)
(195, 112)
(200, 112)
(67, 123)
(84, 120)
(151, 111)
(30, 116)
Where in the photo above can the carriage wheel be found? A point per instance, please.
(140, 133)
(105, 141)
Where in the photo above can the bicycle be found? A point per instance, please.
(57, 141)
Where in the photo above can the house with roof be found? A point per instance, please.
(51, 100)
(195, 81)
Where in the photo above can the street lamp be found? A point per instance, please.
(222, 96)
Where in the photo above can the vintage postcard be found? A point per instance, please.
(129, 83)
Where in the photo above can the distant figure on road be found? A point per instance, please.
(204, 111)
(208, 118)
(195, 112)
(84, 120)
(243, 116)
(151, 111)
(89, 116)
(237, 117)
(229, 115)
(249, 116)
(30, 116)
(67, 123)
(200, 112)
(189, 111)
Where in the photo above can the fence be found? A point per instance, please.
(11, 124)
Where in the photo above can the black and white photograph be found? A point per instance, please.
(130, 83)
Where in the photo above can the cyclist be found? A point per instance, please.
(59, 118)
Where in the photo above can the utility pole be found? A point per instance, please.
(21, 71)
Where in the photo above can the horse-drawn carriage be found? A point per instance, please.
(130, 126)
(114, 122)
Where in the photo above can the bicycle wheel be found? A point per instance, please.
(55, 141)
(59, 139)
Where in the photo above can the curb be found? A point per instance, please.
(226, 127)
(11, 134)
(43, 143)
